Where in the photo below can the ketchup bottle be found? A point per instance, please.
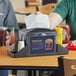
(67, 29)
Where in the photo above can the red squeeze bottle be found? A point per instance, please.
(12, 41)
(67, 29)
(12, 37)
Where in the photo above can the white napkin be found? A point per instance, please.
(37, 21)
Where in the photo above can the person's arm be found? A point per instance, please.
(59, 13)
(55, 19)
(10, 20)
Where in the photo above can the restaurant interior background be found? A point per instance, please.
(29, 6)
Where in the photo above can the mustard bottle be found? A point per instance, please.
(59, 31)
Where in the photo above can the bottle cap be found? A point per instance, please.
(12, 28)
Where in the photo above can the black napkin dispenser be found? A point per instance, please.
(40, 42)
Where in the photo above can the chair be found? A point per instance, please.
(67, 66)
(32, 3)
(48, 1)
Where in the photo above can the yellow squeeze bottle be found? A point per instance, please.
(59, 31)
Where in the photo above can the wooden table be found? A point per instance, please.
(39, 62)
(26, 9)
(20, 17)
(30, 63)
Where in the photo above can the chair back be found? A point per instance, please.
(68, 66)
(32, 3)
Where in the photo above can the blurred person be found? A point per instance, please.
(64, 10)
(7, 19)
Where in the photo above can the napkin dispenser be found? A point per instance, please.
(39, 42)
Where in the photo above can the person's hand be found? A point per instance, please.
(37, 13)
(74, 42)
(4, 38)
